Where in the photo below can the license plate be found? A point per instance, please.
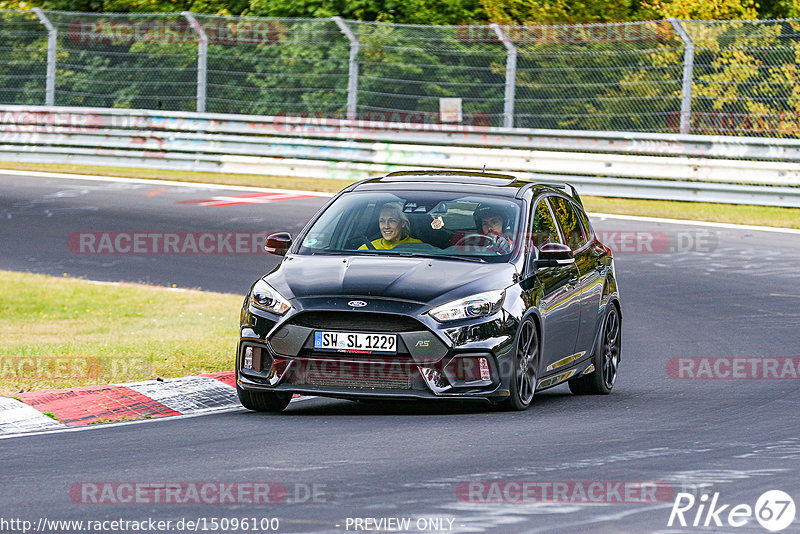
(355, 342)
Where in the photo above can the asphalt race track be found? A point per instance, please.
(688, 292)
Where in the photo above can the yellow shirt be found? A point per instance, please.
(382, 244)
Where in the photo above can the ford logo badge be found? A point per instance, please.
(357, 303)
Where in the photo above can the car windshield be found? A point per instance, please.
(400, 223)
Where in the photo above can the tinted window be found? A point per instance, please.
(570, 224)
(544, 229)
(587, 226)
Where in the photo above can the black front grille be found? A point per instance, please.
(356, 321)
(361, 383)
(378, 374)
(399, 357)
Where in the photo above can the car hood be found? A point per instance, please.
(425, 280)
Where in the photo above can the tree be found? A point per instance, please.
(400, 11)
(536, 12)
(700, 9)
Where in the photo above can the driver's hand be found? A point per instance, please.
(502, 244)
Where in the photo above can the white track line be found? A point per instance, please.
(687, 222)
(101, 426)
(173, 183)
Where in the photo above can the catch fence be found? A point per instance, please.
(670, 76)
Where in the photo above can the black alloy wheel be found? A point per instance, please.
(605, 359)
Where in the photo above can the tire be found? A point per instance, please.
(605, 359)
(263, 401)
(526, 359)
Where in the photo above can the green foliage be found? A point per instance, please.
(224, 7)
(444, 11)
(557, 11)
(356, 9)
(747, 77)
(700, 9)
(406, 12)
(596, 77)
(23, 59)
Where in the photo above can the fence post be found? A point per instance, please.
(352, 81)
(511, 75)
(688, 73)
(202, 60)
(52, 43)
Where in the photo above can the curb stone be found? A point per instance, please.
(54, 409)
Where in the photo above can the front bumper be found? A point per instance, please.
(468, 360)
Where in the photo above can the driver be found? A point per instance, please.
(394, 228)
(492, 221)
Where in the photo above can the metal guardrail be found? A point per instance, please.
(621, 164)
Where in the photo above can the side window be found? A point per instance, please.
(587, 226)
(543, 229)
(568, 220)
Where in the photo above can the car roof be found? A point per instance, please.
(483, 182)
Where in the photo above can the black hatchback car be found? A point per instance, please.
(434, 285)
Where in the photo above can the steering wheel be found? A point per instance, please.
(477, 240)
(498, 244)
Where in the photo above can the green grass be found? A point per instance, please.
(698, 211)
(64, 332)
(701, 211)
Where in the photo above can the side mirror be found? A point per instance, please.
(278, 243)
(553, 255)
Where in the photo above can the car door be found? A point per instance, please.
(588, 255)
(560, 304)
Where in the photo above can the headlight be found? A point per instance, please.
(479, 305)
(264, 297)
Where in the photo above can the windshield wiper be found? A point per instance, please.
(368, 252)
(440, 256)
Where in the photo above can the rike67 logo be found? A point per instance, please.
(774, 510)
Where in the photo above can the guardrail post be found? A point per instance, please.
(52, 43)
(688, 73)
(202, 60)
(511, 75)
(352, 81)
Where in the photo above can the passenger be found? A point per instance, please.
(394, 228)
